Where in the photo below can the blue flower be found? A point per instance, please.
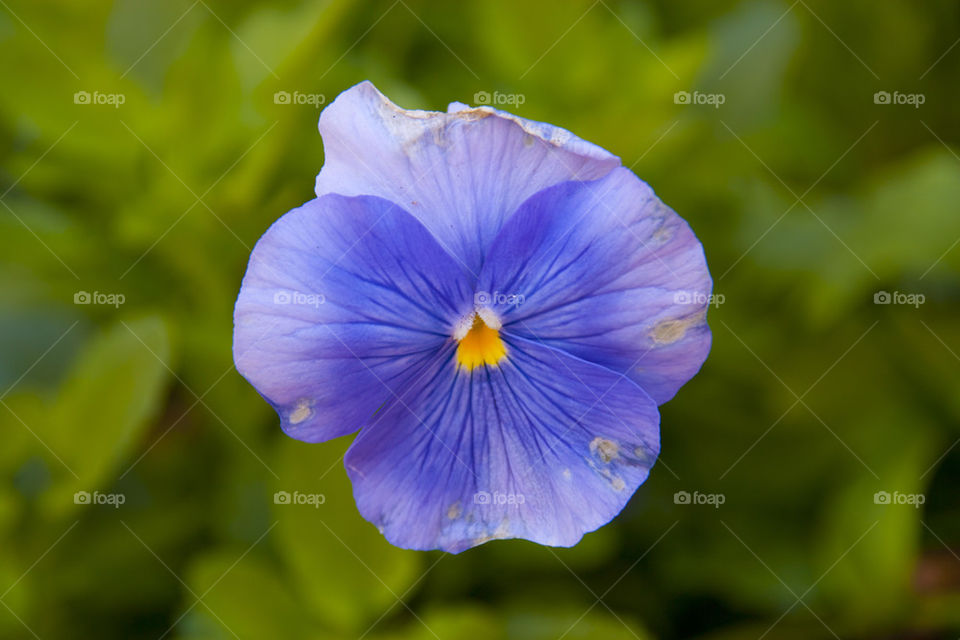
(496, 304)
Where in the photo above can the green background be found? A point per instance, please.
(809, 198)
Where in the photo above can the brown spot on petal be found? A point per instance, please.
(664, 233)
(301, 412)
(670, 331)
(606, 449)
(454, 511)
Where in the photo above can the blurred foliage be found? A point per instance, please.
(809, 199)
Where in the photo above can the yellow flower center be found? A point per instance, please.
(480, 346)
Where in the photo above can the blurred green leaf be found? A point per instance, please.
(347, 572)
(105, 404)
(242, 594)
(574, 622)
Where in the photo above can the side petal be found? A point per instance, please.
(460, 173)
(606, 272)
(544, 447)
(342, 297)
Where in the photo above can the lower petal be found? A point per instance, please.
(544, 447)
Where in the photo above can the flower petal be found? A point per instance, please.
(341, 298)
(606, 272)
(460, 173)
(545, 447)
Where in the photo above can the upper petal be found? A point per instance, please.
(544, 447)
(607, 272)
(460, 173)
(342, 297)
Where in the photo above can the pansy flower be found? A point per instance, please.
(498, 307)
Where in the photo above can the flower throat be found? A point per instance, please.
(480, 346)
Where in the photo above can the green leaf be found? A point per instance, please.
(242, 594)
(578, 622)
(867, 539)
(345, 569)
(104, 406)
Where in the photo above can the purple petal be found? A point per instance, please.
(606, 272)
(342, 297)
(545, 447)
(460, 173)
